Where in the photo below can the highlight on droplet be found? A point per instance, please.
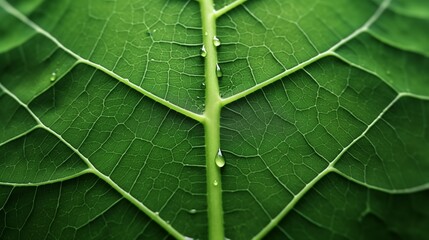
(216, 41)
(218, 71)
(53, 76)
(219, 159)
(203, 51)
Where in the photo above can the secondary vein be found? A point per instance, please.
(329, 52)
(155, 217)
(228, 8)
(330, 168)
(14, 12)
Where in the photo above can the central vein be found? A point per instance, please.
(212, 122)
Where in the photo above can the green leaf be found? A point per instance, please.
(307, 120)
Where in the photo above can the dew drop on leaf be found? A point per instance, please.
(215, 183)
(53, 76)
(203, 85)
(203, 52)
(219, 159)
(193, 211)
(156, 213)
(216, 41)
(218, 71)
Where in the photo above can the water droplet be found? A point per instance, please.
(53, 76)
(203, 84)
(215, 183)
(168, 222)
(216, 41)
(203, 52)
(206, 33)
(193, 211)
(149, 32)
(156, 213)
(219, 159)
(218, 71)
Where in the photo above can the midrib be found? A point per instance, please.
(212, 123)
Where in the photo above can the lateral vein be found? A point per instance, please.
(228, 8)
(326, 53)
(14, 12)
(330, 168)
(155, 217)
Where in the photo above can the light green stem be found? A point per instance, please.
(212, 123)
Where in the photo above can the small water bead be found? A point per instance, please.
(220, 160)
(215, 183)
(149, 32)
(203, 84)
(216, 41)
(218, 71)
(53, 76)
(156, 213)
(203, 51)
(193, 211)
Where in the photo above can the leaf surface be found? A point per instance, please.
(111, 120)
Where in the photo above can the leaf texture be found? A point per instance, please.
(111, 119)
